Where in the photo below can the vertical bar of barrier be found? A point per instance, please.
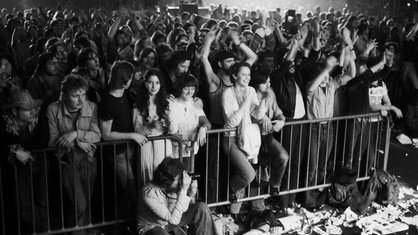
(88, 189)
(3, 225)
(326, 152)
(309, 155)
(299, 154)
(229, 166)
(335, 146)
(32, 199)
(345, 139)
(206, 168)
(317, 152)
(102, 181)
(368, 142)
(75, 195)
(387, 145)
(353, 143)
(61, 193)
(17, 199)
(290, 157)
(217, 166)
(46, 190)
(360, 157)
(376, 149)
(115, 181)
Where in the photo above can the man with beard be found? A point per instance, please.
(168, 202)
(288, 86)
(45, 83)
(219, 82)
(178, 64)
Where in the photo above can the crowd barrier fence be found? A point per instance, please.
(48, 195)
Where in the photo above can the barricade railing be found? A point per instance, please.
(52, 194)
(55, 195)
(358, 142)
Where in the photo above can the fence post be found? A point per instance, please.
(387, 144)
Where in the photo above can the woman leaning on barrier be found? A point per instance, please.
(74, 129)
(241, 106)
(150, 119)
(186, 117)
(21, 131)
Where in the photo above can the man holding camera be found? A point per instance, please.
(168, 203)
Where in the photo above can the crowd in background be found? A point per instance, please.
(71, 78)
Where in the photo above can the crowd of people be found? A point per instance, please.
(71, 78)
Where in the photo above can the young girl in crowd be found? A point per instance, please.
(150, 119)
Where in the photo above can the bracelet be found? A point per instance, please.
(238, 44)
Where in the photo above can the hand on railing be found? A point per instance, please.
(23, 156)
(139, 139)
(201, 136)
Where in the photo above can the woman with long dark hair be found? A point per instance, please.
(149, 118)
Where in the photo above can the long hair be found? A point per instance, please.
(42, 62)
(143, 99)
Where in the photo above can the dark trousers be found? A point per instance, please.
(360, 149)
(122, 192)
(28, 196)
(294, 141)
(198, 217)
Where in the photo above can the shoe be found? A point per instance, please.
(274, 191)
(233, 197)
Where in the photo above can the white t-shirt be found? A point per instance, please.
(299, 106)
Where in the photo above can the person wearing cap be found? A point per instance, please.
(74, 130)
(21, 131)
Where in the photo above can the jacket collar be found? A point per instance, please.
(85, 110)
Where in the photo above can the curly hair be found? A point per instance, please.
(73, 82)
(143, 102)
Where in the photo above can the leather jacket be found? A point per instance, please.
(283, 85)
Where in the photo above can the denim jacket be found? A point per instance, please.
(60, 122)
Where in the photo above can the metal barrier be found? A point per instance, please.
(54, 195)
(358, 142)
(38, 200)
